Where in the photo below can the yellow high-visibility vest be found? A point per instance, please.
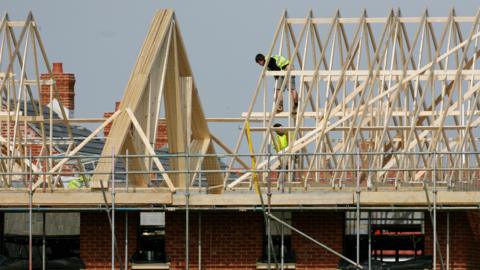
(282, 142)
(78, 182)
(281, 61)
(74, 183)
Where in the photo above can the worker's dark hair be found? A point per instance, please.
(277, 125)
(259, 57)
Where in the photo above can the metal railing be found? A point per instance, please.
(369, 170)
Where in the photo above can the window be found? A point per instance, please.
(396, 236)
(281, 239)
(57, 224)
(62, 239)
(151, 238)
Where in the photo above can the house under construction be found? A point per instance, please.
(381, 170)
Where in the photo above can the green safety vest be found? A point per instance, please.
(282, 142)
(77, 182)
(281, 61)
(74, 183)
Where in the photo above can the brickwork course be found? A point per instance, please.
(230, 240)
(96, 240)
(234, 239)
(326, 227)
(464, 239)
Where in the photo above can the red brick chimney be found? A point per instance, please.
(161, 138)
(162, 135)
(107, 128)
(65, 85)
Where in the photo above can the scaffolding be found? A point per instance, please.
(387, 86)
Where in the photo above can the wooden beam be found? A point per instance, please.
(151, 151)
(134, 97)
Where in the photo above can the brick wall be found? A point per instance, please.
(230, 240)
(464, 238)
(95, 238)
(326, 227)
(233, 240)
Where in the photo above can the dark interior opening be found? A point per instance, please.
(288, 255)
(150, 245)
(61, 252)
(389, 243)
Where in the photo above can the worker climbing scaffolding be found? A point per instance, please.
(280, 63)
(281, 142)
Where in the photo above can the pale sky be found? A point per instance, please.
(99, 41)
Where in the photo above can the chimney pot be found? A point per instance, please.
(58, 68)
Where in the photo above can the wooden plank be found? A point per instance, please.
(335, 75)
(134, 91)
(199, 126)
(395, 113)
(198, 148)
(151, 151)
(229, 151)
(382, 20)
(86, 198)
(214, 178)
(115, 140)
(135, 162)
(83, 199)
(86, 141)
(174, 96)
(280, 199)
(418, 198)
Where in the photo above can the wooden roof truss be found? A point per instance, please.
(403, 92)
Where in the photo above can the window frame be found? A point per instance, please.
(284, 235)
(394, 226)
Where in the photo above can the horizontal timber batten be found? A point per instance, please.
(334, 75)
(83, 198)
(148, 197)
(381, 20)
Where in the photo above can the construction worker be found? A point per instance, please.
(78, 182)
(281, 138)
(278, 63)
(281, 143)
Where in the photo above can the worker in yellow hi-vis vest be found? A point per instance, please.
(281, 138)
(78, 182)
(279, 63)
(281, 143)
